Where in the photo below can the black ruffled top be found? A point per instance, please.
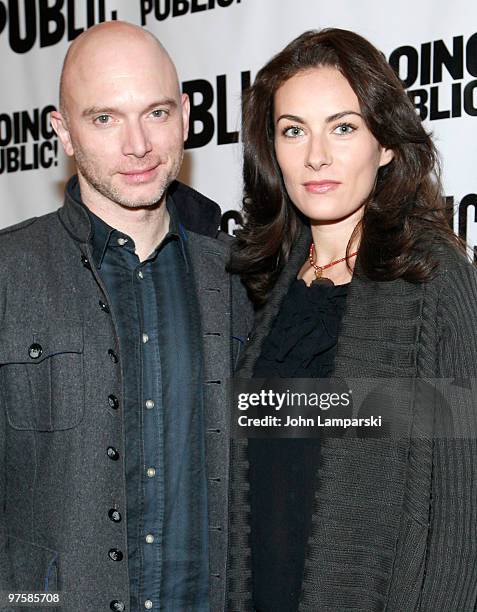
(301, 344)
(303, 337)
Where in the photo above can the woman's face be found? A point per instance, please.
(328, 157)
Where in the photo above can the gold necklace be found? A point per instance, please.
(319, 269)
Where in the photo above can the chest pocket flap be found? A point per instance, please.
(41, 376)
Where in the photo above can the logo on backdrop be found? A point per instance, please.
(203, 123)
(47, 22)
(27, 141)
(163, 9)
(425, 72)
(27, 22)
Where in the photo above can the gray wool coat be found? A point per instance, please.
(394, 524)
(57, 482)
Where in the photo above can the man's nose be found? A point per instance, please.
(136, 139)
(318, 152)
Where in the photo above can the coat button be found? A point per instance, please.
(115, 554)
(113, 401)
(35, 351)
(115, 515)
(85, 262)
(104, 307)
(117, 606)
(113, 356)
(113, 453)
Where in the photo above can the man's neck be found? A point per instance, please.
(146, 226)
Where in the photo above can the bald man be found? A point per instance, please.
(119, 328)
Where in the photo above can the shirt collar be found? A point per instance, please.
(104, 236)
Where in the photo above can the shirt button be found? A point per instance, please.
(149, 538)
(35, 351)
(115, 554)
(145, 338)
(148, 604)
(151, 472)
(85, 262)
(117, 606)
(113, 356)
(113, 453)
(104, 307)
(114, 515)
(140, 274)
(149, 404)
(113, 401)
(122, 241)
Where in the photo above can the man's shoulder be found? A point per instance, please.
(29, 235)
(13, 229)
(29, 227)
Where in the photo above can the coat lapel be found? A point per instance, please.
(213, 292)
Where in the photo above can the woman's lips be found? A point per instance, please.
(321, 186)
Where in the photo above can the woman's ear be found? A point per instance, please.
(386, 156)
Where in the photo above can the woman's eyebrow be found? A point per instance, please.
(329, 119)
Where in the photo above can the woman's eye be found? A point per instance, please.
(345, 128)
(293, 131)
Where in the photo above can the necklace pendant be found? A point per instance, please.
(323, 282)
(318, 272)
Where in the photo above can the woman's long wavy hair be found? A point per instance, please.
(406, 210)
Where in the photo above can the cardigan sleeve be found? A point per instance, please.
(450, 573)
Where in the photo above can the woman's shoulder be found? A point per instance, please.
(454, 266)
(456, 282)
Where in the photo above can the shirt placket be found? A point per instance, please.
(153, 441)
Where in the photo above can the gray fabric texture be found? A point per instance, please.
(394, 523)
(57, 482)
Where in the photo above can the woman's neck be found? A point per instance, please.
(330, 242)
(331, 239)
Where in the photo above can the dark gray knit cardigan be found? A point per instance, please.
(394, 521)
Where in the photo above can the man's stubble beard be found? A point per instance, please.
(87, 168)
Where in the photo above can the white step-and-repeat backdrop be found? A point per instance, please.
(218, 46)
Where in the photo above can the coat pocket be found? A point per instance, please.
(42, 377)
(31, 567)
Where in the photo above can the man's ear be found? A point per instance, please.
(185, 114)
(58, 123)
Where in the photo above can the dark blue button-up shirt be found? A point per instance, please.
(155, 310)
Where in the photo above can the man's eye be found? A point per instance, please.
(293, 131)
(158, 113)
(102, 119)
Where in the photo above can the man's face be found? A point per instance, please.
(126, 123)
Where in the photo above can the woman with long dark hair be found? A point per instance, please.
(355, 272)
